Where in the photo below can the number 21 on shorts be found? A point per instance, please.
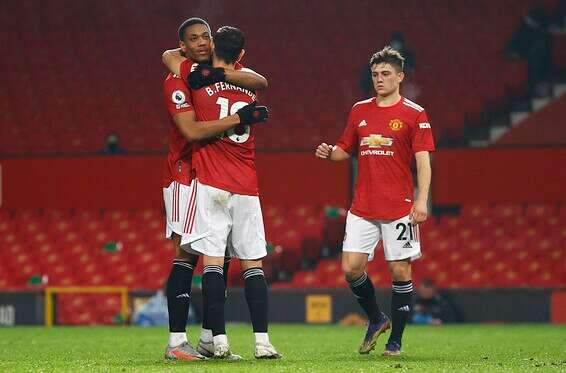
(407, 231)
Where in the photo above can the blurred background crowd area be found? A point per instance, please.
(85, 77)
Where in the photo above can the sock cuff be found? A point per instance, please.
(256, 271)
(182, 263)
(402, 286)
(359, 281)
(261, 338)
(213, 269)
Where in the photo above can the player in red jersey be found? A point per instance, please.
(179, 196)
(228, 211)
(385, 131)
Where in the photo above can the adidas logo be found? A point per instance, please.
(184, 295)
(362, 123)
(407, 245)
(404, 308)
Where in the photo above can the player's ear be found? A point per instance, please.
(183, 46)
(241, 55)
(401, 76)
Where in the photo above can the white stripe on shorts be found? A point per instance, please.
(191, 209)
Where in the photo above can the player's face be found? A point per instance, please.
(196, 43)
(385, 79)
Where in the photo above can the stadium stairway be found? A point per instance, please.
(542, 125)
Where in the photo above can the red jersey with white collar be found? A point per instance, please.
(385, 139)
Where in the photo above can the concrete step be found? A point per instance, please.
(479, 143)
(558, 89)
(539, 103)
(496, 132)
(517, 116)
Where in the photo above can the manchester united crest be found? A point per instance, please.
(396, 124)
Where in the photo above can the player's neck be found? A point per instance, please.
(220, 63)
(389, 100)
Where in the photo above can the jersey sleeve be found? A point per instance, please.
(185, 69)
(349, 139)
(177, 96)
(422, 139)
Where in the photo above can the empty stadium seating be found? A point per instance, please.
(91, 309)
(501, 246)
(126, 247)
(483, 246)
(90, 68)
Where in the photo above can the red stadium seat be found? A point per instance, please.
(306, 280)
(486, 251)
(538, 212)
(328, 268)
(504, 212)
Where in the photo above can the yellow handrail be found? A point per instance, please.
(50, 291)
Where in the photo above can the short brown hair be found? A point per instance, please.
(390, 56)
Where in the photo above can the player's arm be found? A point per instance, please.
(419, 212)
(204, 75)
(422, 144)
(247, 78)
(172, 58)
(332, 153)
(194, 131)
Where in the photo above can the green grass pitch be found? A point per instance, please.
(489, 348)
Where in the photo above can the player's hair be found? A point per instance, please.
(190, 22)
(228, 43)
(390, 56)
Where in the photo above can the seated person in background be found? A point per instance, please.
(154, 312)
(113, 144)
(430, 307)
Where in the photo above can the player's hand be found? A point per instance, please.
(251, 114)
(205, 75)
(419, 213)
(323, 151)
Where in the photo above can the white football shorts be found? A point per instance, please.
(400, 238)
(226, 222)
(180, 206)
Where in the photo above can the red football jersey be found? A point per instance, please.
(187, 66)
(386, 139)
(228, 161)
(178, 164)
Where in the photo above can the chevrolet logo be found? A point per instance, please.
(376, 141)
